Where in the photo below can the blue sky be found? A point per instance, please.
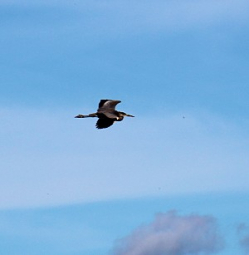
(181, 67)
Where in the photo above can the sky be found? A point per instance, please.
(171, 181)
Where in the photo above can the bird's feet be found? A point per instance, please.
(79, 116)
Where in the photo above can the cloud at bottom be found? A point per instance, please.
(172, 234)
(243, 235)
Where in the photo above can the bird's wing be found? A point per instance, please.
(108, 105)
(109, 115)
(104, 123)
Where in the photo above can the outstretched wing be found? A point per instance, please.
(104, 123)
(107, 105)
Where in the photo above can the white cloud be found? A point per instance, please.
(171, 234)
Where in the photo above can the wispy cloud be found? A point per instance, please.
(49, 158)
(125, 17)
(172, 234)
(140, 17)
(174, 15)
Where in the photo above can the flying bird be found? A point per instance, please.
(106, 113)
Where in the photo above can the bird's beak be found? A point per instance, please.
(129, 115)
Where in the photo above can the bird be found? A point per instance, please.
(106, 113)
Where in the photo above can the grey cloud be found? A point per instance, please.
(243, 233)
(244, 242)
(171, 234)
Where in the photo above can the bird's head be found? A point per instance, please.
(123, 114)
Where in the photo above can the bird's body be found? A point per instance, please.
(106, 113)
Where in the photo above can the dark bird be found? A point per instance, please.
(106, 113)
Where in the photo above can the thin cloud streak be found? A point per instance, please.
(171, 234)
